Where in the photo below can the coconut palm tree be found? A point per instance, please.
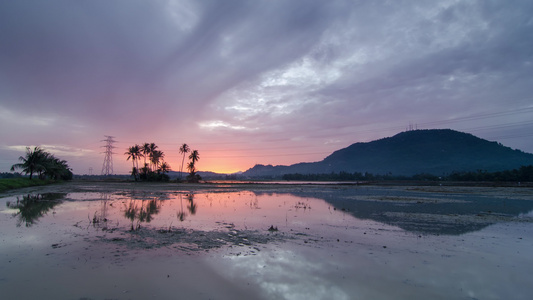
(134, 152)
(184, 149)
(43, 163)
(164, 168)
(145, 150)
(34, 161)
(191, 168)
(195, 156)
(153, 148)
(156, 157)
(56, 168)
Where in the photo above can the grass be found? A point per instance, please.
(17, 183)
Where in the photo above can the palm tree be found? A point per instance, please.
(195, 156)
(34, 161)
(43, 163)
(47, 164)
(191, 168)
(164, 168)
(145, 149)
(153, 148)
(155, 157)
(134, 152)
(184, 149)
(56, 168)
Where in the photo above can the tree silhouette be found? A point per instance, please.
(32, 162)
(195, 156)
(145, 150)
(155, 162)
(44, 163)
(153, 148)
(134, 152)
(56, 168)
(184, 149)
(164, 168)
(156, 157)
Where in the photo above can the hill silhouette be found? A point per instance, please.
(433, 151)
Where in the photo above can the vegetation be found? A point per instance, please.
(356, 176)
(194, 157)
(134, 152)
(46, 165)
(184, 149)
(21, 182)
(10, 175)
(522, 174)
(153, 170)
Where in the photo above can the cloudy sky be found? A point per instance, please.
(246, 82)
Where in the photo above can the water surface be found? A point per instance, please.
(135, 241)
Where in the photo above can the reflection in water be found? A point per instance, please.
(319, 252)
(143, 210)
(191, 206)
(438, 213)
(181, 214)
(33, 207)
(100, 219)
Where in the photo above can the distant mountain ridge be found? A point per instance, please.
(431, 151)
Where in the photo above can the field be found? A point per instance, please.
(16, 183)
(118, 240)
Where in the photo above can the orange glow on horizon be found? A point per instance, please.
(226, 160)
(221, 165)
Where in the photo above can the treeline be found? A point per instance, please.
(524, 174)
(46, 165)
(10, 175)
(155, 167)
(356, 176)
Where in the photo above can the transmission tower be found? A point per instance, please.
(107, 167)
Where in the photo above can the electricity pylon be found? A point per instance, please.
(107, 167)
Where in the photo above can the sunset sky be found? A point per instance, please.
(246, 82)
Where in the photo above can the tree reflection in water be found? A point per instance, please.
(191, 206)
(181, 215)
(144, 212)
(33, 207)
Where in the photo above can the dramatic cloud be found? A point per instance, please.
(248, 82)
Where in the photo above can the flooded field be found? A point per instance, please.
(260, 241)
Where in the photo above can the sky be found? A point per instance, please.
(257, 82)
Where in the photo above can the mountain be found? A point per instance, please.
(434, 151)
